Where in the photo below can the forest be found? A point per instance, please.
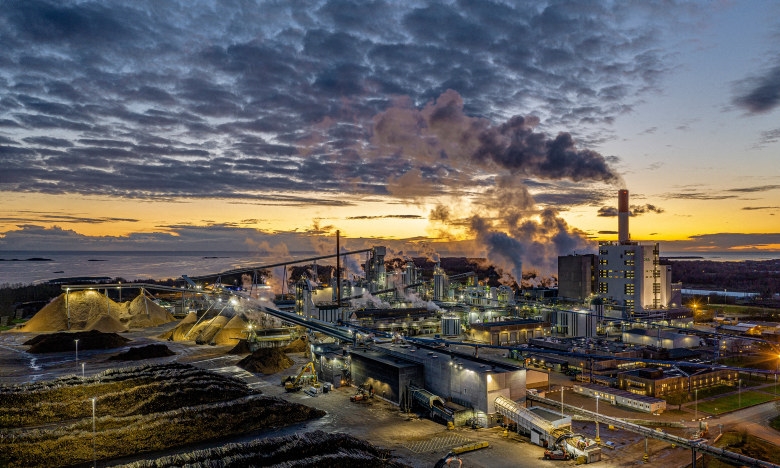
(762, 277)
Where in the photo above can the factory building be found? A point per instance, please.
(469, 382)
(657, 382)
(618, 397)
(659, 338)
(630, 277)
(332, 364)
(508, 332)
(572, 323)
(407, 321)
(577, 277)
(387, 375)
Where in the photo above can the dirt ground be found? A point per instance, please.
(415, 441)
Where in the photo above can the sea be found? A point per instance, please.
(31, 267)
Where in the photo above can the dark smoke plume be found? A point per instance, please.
(516, 147)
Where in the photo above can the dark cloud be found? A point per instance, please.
(642, 209)
(695, 195)
(769, 137)
(634, 210)
(24, 217)
(759, 188)
(760, 94)
(256, 99)
(754, 208)
(386, 217)
(608, 211)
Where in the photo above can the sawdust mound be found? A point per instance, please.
(300, 345)
(266, 360)
(84, 308)
(106, 324)
(143, 312)
(233, 331)
(87, 309)
(312, 449)
(59, 342)
(241, 348)
(144, 352)
(179, 332)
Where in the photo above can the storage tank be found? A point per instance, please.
(450, 325)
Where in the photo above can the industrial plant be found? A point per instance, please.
(453, 348)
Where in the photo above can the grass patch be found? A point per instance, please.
(731, 402)
(774, 423)
(744, 444)
(714, 391)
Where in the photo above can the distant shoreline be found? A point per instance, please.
(33, 259)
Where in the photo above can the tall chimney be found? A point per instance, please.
(623, 235)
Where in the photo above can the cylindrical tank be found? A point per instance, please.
(450, 325)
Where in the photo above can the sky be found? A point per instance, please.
(481, 128)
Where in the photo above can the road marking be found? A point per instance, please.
(437, 443)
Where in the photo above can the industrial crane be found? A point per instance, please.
(295, 383)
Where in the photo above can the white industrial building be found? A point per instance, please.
(617, 397)
(630, 277)
(573, 322)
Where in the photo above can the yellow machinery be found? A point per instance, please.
(307, 376)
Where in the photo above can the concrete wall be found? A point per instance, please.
(388, 380)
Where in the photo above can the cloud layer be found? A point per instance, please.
(252, 100)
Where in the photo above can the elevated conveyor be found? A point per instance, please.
(696, 445)
(539, 429)
(432, 403)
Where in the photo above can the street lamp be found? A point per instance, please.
(598, 439)
(776, 370)
(77, 348)
(739, 392)
(94, 456)
(696, 405)
(562, 415)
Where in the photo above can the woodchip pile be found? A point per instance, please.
(92, 310)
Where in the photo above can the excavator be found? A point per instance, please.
(307, 376)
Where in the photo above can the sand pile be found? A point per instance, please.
(59, 342)
(266, 360)
(233, 331)
(84, 308)
(143, 312)
(144, 352)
